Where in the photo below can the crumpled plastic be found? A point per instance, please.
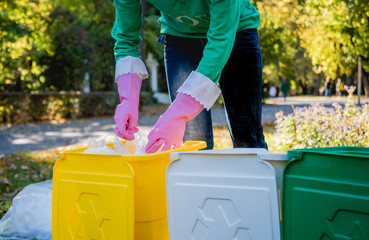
(101, 146)
(29, 217)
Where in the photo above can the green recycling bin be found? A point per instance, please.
(326, 194)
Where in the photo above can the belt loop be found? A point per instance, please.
(162, 38)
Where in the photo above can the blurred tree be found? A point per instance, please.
(23, 43)
(71, 51)
(82, 44)
(98, 17)
(50, 45)
(152, 32)
(283, 57)
(335, 33)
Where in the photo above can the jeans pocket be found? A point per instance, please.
(248, 35)
(172, 42)
(170, 47)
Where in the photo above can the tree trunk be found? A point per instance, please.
(278, 70)
(318, 81)
(303, 87)
(365, 83)
(338, 76)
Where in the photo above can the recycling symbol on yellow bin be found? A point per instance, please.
(90, 220)
(219, 219)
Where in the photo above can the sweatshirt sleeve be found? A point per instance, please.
(224, 19)
(127, 28)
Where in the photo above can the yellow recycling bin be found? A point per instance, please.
(118, 197)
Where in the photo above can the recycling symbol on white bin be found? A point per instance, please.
(219, 219)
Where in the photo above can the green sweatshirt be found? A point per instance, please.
(216, 20)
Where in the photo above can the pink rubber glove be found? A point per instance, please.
(126, 113)
(170, 127)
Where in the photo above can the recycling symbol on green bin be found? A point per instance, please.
(90, 220)
(220, 219)
(347, 225)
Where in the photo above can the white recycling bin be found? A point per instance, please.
(224, 194)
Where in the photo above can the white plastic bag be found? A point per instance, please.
(29, 217)
(136, 147)
(100, 147)
(138, 144)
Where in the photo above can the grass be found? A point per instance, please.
(21, 169)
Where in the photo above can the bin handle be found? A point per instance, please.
(336, 151)
(191, 145)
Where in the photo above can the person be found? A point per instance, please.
(328, 88)
(207, 43)
(273, 91)
(339, 88)
(285, 87)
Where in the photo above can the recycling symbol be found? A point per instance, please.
(219, 219)
(347, 225)
(90, 220)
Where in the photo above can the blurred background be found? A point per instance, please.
(57, 61)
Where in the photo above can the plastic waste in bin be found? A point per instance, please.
(326, 194)
(111, 196)
(224, 194)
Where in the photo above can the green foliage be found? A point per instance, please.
(82, 43)
(283, 57)
(24, 42)
(320, 126)
(5, 204)
(151, 34)
(300, 39)
(335, 33)
(48, 45)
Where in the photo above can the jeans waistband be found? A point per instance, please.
(163, 36)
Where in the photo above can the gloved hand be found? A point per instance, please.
(126, 113)
(170, 127)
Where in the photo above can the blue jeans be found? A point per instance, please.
(240, 83)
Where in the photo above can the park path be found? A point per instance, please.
(41, 136)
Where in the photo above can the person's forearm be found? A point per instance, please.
(224, 19)
(126, 29)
